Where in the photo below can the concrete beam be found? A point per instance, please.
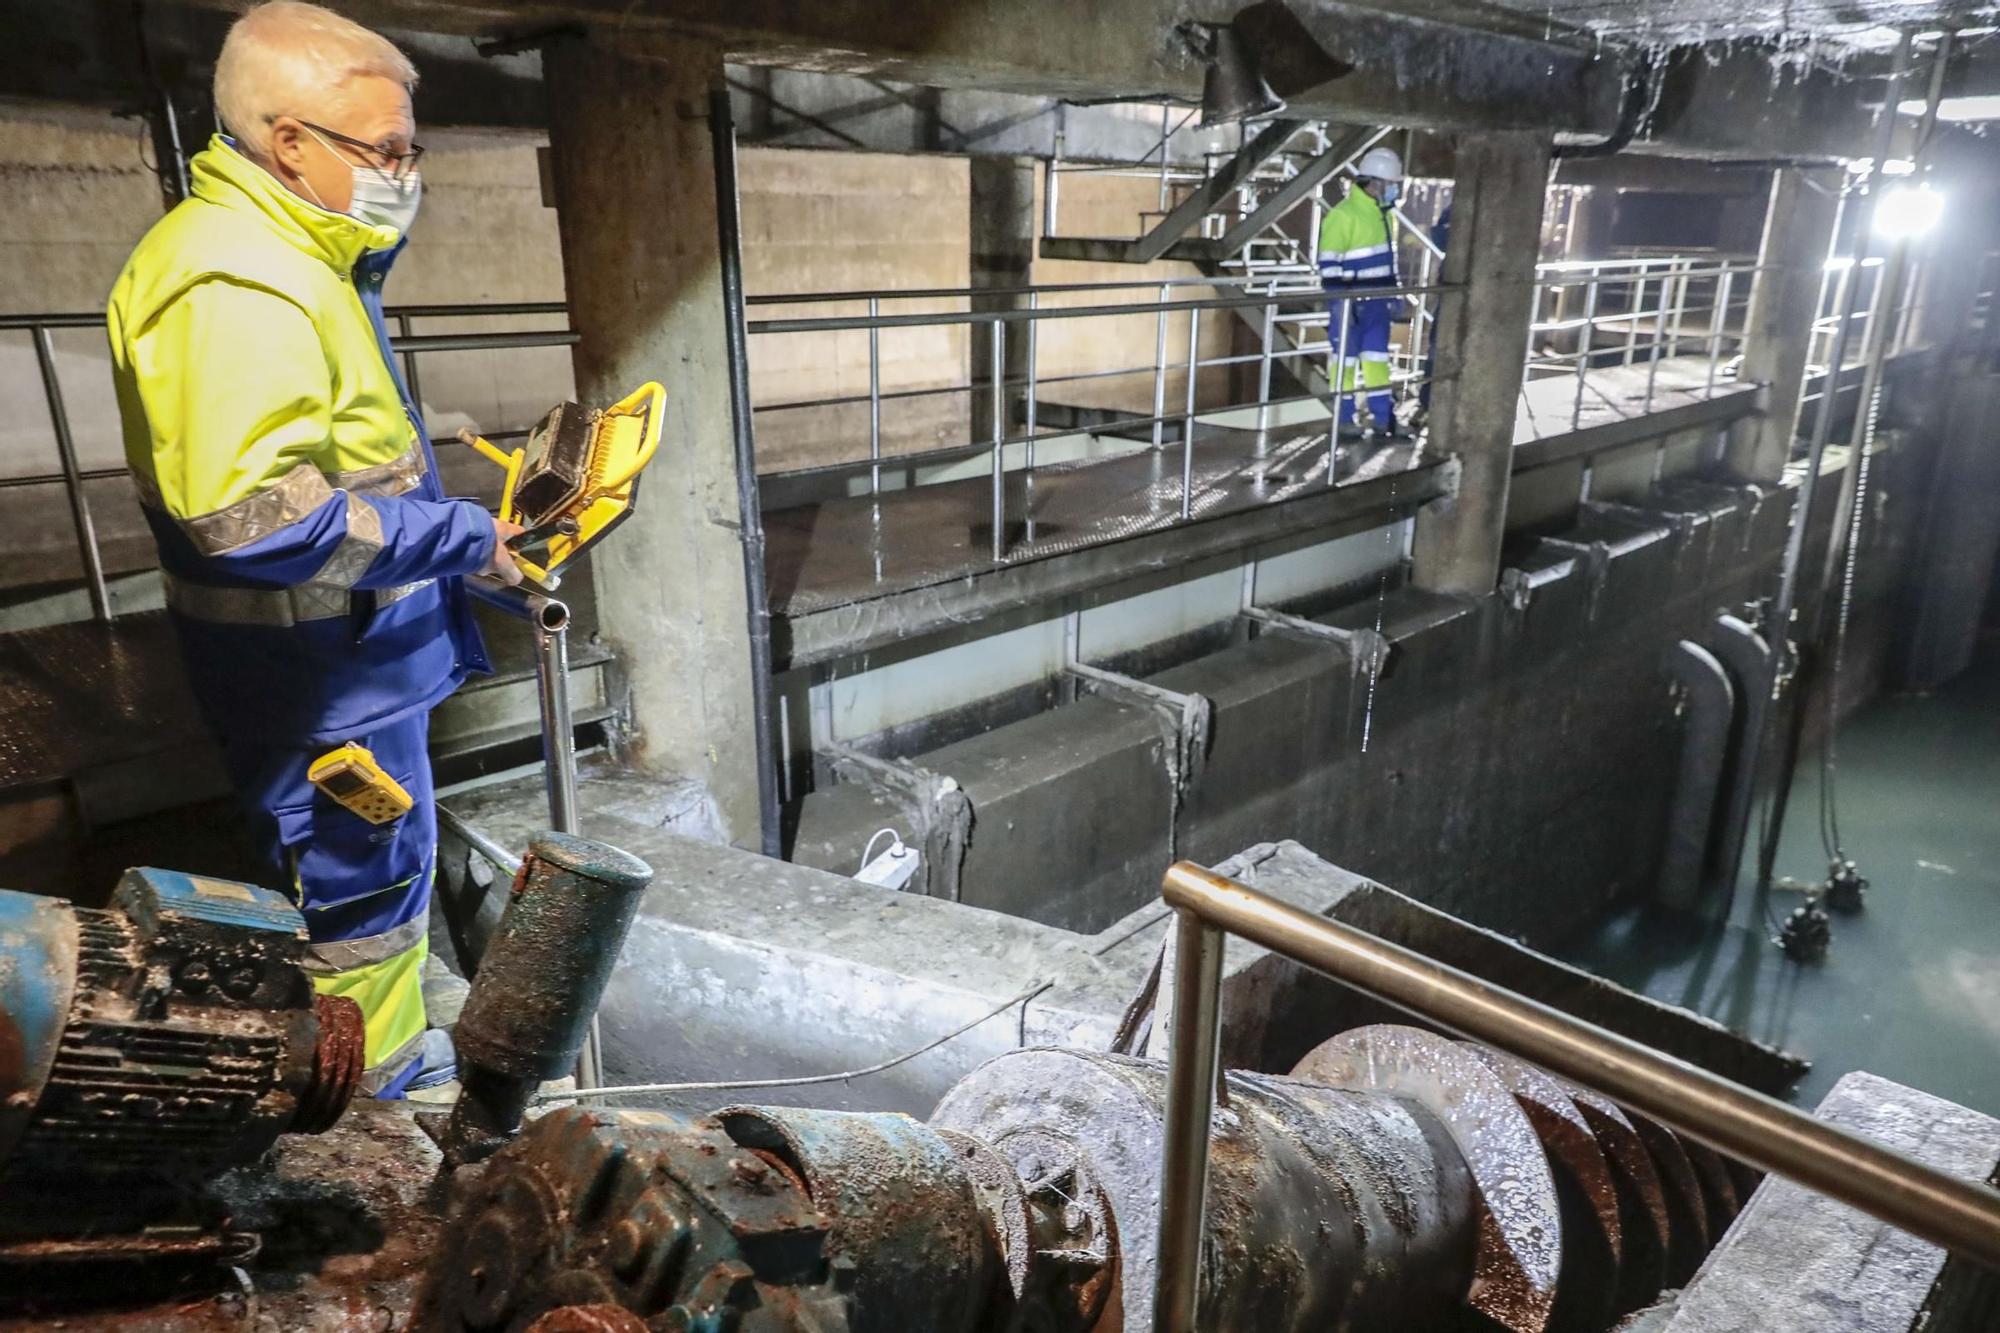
(1777, 332)
(641, 264)
(89, 53)
(1329, 57)
(1496, 239)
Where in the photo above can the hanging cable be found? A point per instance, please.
(804, 1080)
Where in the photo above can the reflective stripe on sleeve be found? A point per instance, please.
(296, 494)
(357, 549)
(394, 477)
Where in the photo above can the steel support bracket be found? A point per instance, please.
(1518, 586)
(1367, 650)
(936, 805)
(1185, 721)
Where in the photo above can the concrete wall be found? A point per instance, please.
(1099, 204)
(832, 222)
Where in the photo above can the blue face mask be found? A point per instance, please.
(1391, 192)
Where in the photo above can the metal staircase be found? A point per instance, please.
(1254, 215)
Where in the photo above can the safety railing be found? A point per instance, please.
(1267, 303)
(407, 343)
(1960, 1215)
(1593, 315)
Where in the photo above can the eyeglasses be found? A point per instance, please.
(398, 165)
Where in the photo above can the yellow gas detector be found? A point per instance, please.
(575, 479)
(350, 777)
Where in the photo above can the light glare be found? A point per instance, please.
(1908, 211)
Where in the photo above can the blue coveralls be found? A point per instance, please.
(355, 880)
(311, 560)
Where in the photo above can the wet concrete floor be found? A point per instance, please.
(1911, 987)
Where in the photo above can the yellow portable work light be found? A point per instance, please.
(575, 479)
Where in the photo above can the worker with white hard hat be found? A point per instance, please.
(1357, 252)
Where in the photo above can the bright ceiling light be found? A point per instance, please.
(1908, 211)
(1983, 107)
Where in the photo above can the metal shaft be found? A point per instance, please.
(540, 980)
(558, 731)
(1960, 1215)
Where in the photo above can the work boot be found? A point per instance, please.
(1351, 433)
(432, 1076)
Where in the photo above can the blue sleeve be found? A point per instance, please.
(428, 539)
(420, 539)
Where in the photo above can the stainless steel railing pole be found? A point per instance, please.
(1160, 371)
(1586, 342)
(79, 503)
(874, 399)
(549, 619)
(1718, 322)
(1659, 337)
(1264, 371)
(999, 378)
(1187, 417)
(1029, 423)
(1196, 1028)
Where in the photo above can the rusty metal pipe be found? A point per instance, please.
(1959, 1215)
(539, 983)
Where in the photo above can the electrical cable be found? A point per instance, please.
(868, 852)
(804, 1080)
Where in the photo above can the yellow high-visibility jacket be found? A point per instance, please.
(310, 555)
(1356, 244)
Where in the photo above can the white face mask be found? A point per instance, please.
(376, 197)
(382, 200)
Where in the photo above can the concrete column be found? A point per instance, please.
(635, 191)
(1777, 332)
(1003, 255)
(1496, 238)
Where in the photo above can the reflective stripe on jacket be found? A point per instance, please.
(311, 557)
(1357, 248)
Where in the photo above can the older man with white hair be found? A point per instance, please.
(312, 562)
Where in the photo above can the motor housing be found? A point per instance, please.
(144, 1049)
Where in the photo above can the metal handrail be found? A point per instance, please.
(1031, 314)
(1960, 1215)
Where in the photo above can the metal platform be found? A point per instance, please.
(852, 573)
(86, 699)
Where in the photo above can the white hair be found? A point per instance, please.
(286, 58)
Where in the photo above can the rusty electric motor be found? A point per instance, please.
(144, 1049)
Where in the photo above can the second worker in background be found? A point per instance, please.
(1357, 252)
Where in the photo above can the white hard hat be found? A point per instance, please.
(1380, 164)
